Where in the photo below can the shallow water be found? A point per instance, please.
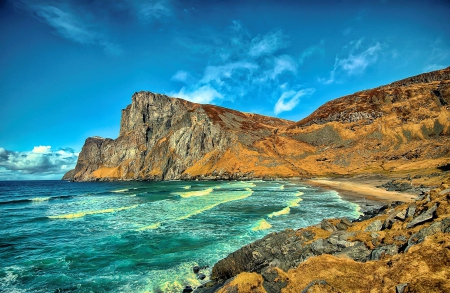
(141, 236)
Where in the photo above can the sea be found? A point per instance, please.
(60, 236)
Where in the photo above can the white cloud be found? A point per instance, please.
(71, 22)
(203, 95)
(239, 67)
(148, 10)
(41, 149)
(181, 75)
(39, 163)
(355, 63)
(267, 44)
(290, 99)
(226, 71)
(282, 64)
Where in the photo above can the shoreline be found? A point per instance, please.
(364, 189)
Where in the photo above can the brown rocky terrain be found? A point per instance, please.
(400, 128)
(400, 247)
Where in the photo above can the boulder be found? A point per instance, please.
(378, 252)
(327, 226)
(358, 252)
(423, 217)
(374, 226)
(424, 232)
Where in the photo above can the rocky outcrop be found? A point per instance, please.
(400, 127)
(163, 138)
(363, 256)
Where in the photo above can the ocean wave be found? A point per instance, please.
(195, 193)
(261, 225)
(286, 210)
(150, 227)
(40, 199)
(82, 214)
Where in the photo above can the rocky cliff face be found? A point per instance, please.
(400, 127)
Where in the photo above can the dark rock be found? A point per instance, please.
(284, 248)
(423, 217)
(201, 276)
(374, 226)
(196, 269)
(327, 226)
(378, 252)
(272, 283)
(187, 289)
(400, 288)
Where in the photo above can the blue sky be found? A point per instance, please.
(68, 67)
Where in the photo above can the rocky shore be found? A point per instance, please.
(395, 247)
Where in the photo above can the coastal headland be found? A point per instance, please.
(389, 145)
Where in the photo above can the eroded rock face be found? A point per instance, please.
(162, 137)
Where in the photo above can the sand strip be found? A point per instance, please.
(364, 189)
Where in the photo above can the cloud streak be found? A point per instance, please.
(243, 67)
(41, 162)
(355, 63)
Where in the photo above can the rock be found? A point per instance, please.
(358, 252)
(201, 276)
(374, 226)
(346, 222)
(196, 269)
(321, 246)
(272, 282)
(187, 289)
(327, 226)
(341, 226)
(378, 252)
(424, 232)
(400, 288)
(423, 217)
(401, 215)
(411, 210)
(445, 225)
(318, 286)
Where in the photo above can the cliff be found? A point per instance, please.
(401, 127)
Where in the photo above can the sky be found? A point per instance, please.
(68, 67)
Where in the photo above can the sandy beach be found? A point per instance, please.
(363, 188)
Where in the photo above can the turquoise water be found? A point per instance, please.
(61, 236)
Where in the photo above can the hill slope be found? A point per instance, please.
(400, 127)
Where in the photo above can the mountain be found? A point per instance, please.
(402, 127)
